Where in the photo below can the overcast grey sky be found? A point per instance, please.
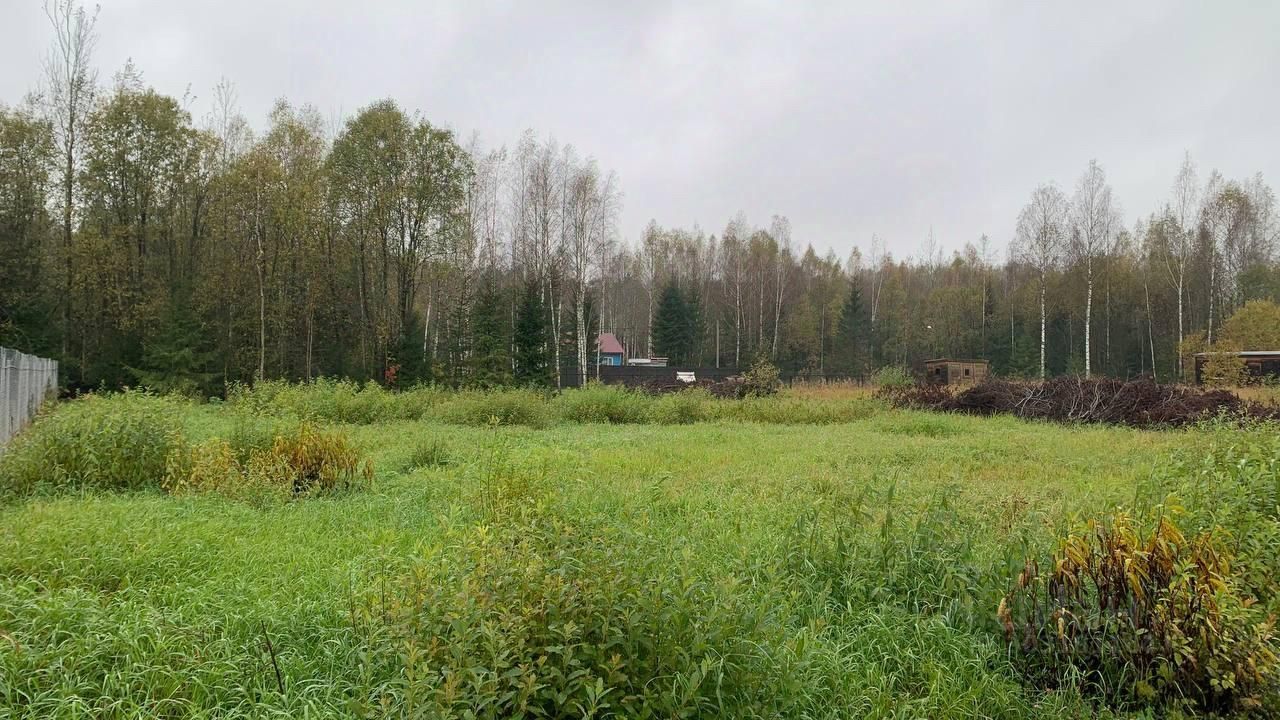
(848, 118)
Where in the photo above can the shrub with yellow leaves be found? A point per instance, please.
(1143, 618)
(304, 461)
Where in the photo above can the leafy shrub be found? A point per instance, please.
(892, 376)
(541, 617)
(1231, 481)
(306, 461)
(100, 442)
(761, 379)
(331, 400)
(1143, 619)
(500, 407)
(793, 411)
(598, 403)
(680, 408)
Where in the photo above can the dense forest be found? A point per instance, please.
(142, 245)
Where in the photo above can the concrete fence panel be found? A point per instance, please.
(26, 381)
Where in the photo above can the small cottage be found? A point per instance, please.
(955, 372)
(611, 351)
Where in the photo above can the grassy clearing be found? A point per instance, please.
(795, 556)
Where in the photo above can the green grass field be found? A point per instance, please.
(836, 563)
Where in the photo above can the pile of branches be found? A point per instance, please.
(1136, 403)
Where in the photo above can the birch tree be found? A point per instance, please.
(70, 85)
(1093, 224)
(1178, 244)
(1038, 243)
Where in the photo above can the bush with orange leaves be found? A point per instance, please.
(1143, 619)
(305, 461)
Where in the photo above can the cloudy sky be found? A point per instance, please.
(851, 119)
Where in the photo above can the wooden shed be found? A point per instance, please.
(946, 371)
(1258, 364)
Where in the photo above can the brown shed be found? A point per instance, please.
(1258, 364)
(955, 372)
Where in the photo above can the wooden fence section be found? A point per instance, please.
(26, 381)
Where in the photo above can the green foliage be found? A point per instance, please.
(341, 401)
(774, 553)
(26, 301)
(680, 408)
(179, 357)
(597, 403)
(892, 377)
(849, 351)
(100, 442)
(490, 360)
(569, 617)
(428, 453)
(530, 340)
(793, 411)
(761, 379)
(674, 326)
(495, 407)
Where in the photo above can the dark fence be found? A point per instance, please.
(641, 375)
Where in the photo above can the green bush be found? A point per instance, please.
(761, 379)
(544, 618)
(340, 401)
(793, 411)
(598, 403)
(892, 376)
(680, 408)
(495, 407)
(100, 442)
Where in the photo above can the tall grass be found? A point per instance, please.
(749, 563)
(100, 442)
(346, 402)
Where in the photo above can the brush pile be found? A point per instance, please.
(1136, 403)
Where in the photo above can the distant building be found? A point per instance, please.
(611, 351)
(1257, 363)
(955, 372)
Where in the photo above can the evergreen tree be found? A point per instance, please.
(850, 334)
(490, 361)
(179, 357)
(530, 342)
(410, 358)
(673, 327)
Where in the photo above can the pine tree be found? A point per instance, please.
(490, 363)
(673, 327)
(850, 334)
(530, 342)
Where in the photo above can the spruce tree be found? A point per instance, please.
(851, 333)
(673, 327)
(490, 363)
(180, 356)
(530, 342)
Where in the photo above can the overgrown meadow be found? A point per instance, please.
(329, 550)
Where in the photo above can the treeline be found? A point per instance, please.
(141, 245)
